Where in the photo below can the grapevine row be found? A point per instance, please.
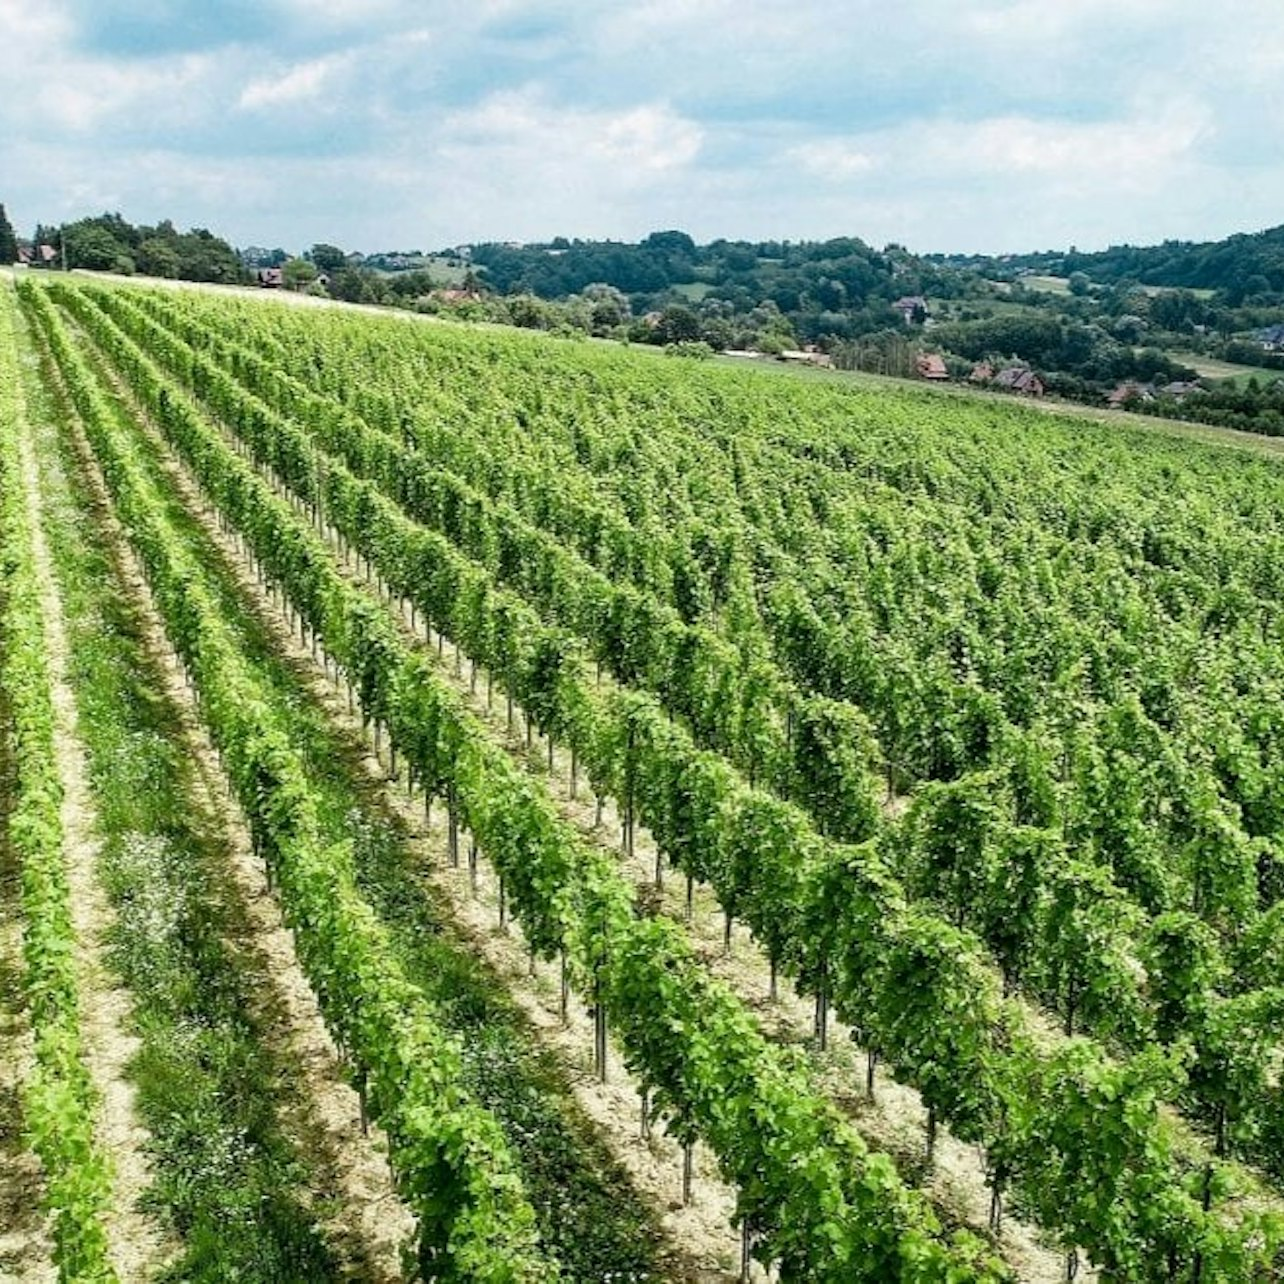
(451, 1162)
(1143, 793)
(810, 747)
(726, 702)
(59, 1100)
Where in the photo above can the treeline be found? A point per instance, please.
(1243, 267)
(1086, 355)
(835, 289)
(108, 243)
(1128, 309)
(1253, 408)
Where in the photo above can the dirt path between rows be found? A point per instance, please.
(137, 1247)
(701, 1246)
(317, 1109)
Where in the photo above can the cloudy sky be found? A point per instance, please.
(981, 125)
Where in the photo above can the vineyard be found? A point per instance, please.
(487, 807)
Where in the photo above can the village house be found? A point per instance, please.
(270, 278)
(1272, 338)
(37, 256)
(931, 365)
(1180, 389)
(1019, 380)
(911, 307)
(982, 372)
(1129, 391)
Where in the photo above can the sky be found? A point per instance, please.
(942, 125)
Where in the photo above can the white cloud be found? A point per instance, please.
(834, 159)
(650, 137)
(1023, 20)
(88, 94)
(1135, 149)
(25, 24)
(339, 12)
(646, 138)
(991, 124)
(300, 83)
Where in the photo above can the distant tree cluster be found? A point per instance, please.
(1257, 406)
(1240, 269)
(825, 290)
(107, 243)
(1087, 356)
(1088, 324)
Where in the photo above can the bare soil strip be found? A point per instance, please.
(702, 1245)
(137, 1246)
(318, 1109)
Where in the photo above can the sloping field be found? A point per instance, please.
(725, 825)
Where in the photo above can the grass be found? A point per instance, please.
(1199, 293)
(21, 1190)
(449, 270)
(227, 1181)
(693, 291)
(1048, 284)
(1211, 368)
(1061, 285)
(950, 309)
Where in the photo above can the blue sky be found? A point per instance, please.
(970, 125)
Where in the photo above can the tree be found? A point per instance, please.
(357, 285)
(206, 257)
(528, 312)
(158, 257)
(677, 324)
(671, 242)
(299, 273)
(609, 306)
(90, 245)
(328, 258)
(8, 241)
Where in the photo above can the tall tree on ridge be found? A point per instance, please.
(8, 241)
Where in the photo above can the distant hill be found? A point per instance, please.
(1240, 266)
(835, 289)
